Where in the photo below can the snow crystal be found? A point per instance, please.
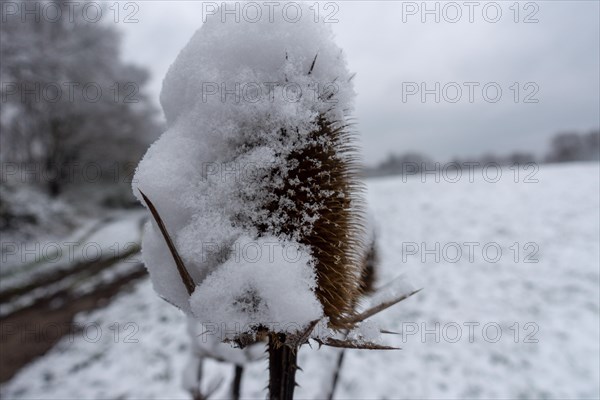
(366, 332)
(239, 99)
(266, 288)
(206, 343)
(266, 60)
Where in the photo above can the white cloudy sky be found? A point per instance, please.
(388, 47)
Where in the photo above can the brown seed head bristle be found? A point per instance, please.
(328, 166)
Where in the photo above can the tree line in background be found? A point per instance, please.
(74, 113)
(564, 147)
(72, 110)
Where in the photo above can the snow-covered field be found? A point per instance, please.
(522, 323)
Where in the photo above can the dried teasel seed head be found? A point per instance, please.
(330, 194)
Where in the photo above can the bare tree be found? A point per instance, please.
(68, 98)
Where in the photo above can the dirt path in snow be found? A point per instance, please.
(30, 332)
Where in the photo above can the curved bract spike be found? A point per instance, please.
(378, 308)
(351, 344)
(312, 66)
(183, 272)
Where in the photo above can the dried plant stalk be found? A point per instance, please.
(282, 368)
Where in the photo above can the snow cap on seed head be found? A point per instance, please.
(271, 97)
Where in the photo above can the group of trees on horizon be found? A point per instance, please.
(70, 101)
(564, 147)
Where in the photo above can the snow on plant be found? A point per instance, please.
(303, 192)
(272, 97)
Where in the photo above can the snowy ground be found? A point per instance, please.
(546, 311)
(41, 260)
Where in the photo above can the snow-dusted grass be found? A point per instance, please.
(558, 296)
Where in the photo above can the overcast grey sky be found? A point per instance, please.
(555, 61)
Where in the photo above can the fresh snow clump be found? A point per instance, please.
(239, 99)
(267, 288)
